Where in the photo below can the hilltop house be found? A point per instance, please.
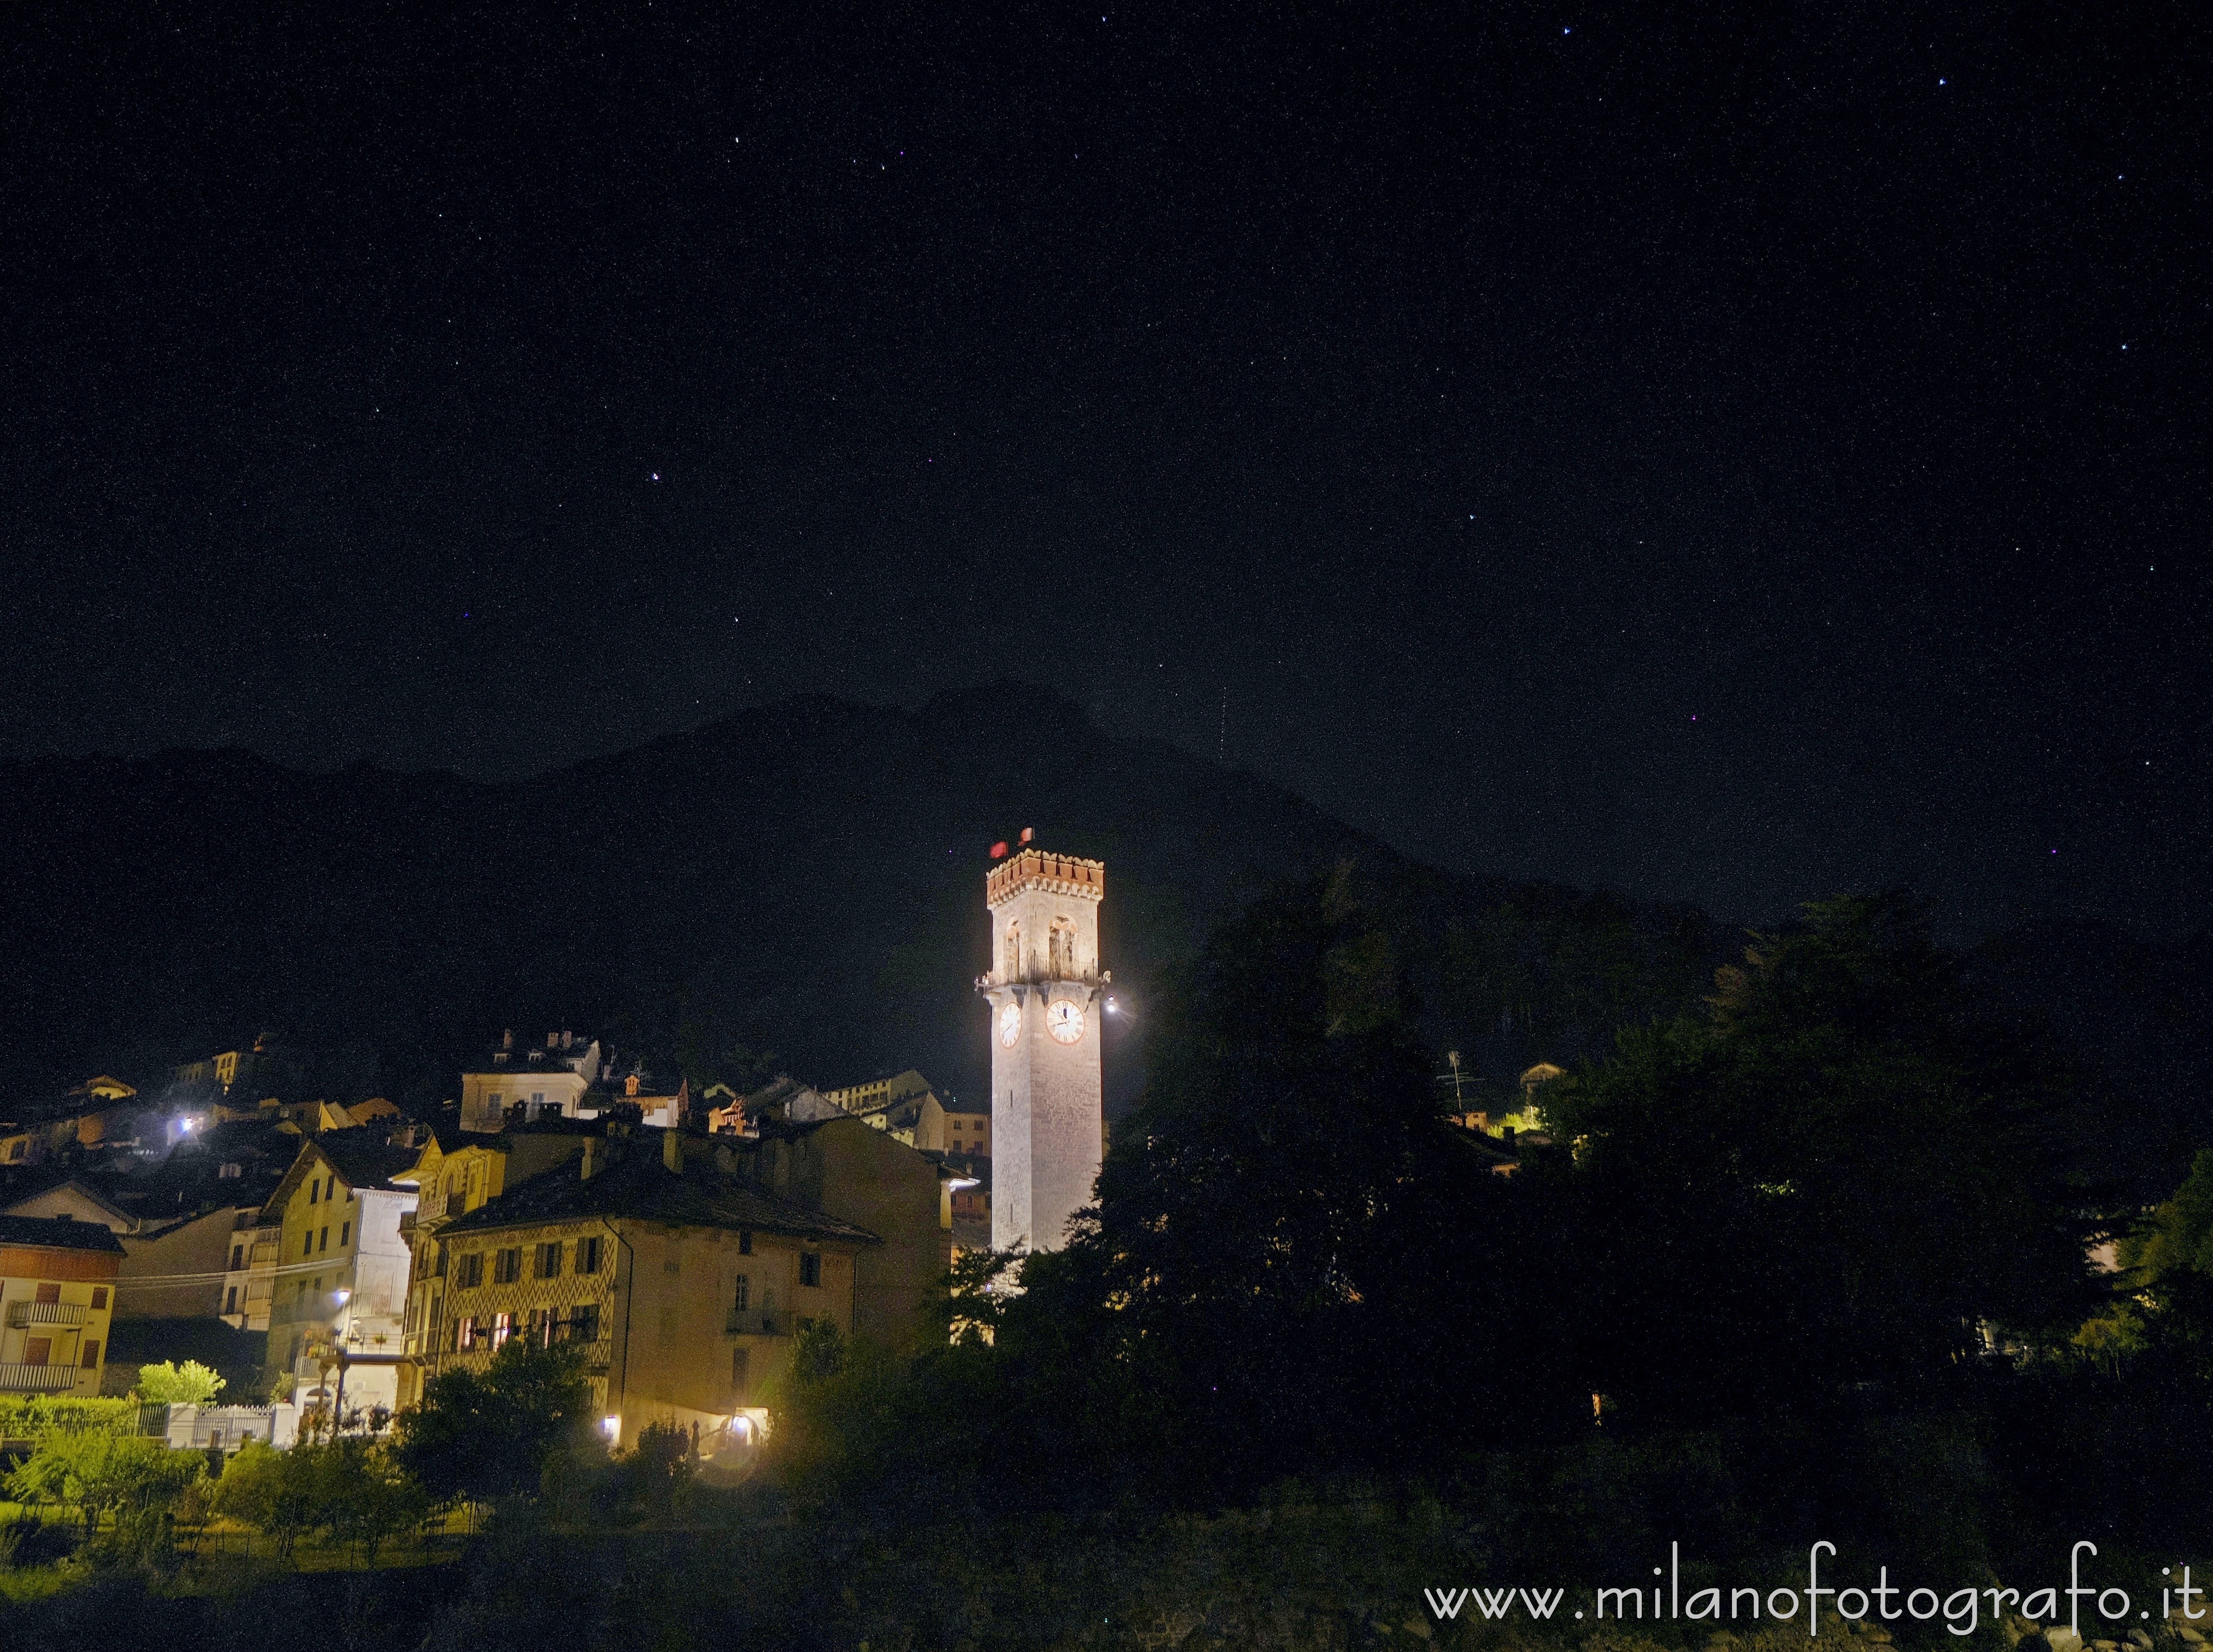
(913, 1111)
(528, 1082)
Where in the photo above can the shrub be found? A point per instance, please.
(27, 1417)
(168, 1384)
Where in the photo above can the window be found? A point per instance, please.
(307, 1242)
(38, 1350)
(547, 1262)
(50, 1292)
(584, 1322)
(1061, 943)
(438, 1263)
(230, 1301)
(90, 1362)
(506, 1265)
(741, 1298)
(325, 1243)
(739, 1359)
(345, 1235)
(1011, 967)
(237, 1257)
(537, 1327)
(810, 1269)
(588, 1255)
(745, 1241)
(503, 1328)
(314, 1191)
(464, 1334)
(470, 1272)
(100, 1295)
(806, 1324)
(329, 1187)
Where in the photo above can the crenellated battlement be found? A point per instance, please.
(1059, 874)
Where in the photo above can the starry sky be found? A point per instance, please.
(1725, 452)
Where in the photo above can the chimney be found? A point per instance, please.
(672, 1150)
(507, 1039)
(591, 1164)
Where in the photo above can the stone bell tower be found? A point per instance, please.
(1045, 989)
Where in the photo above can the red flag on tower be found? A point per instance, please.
(999, 850)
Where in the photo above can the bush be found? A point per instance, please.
(167, 1384)
(27, 1417)
(30, 1541)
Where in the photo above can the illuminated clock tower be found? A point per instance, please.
(1046, 993)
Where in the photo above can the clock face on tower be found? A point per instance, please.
(1063, 1018)
(1010, 1025)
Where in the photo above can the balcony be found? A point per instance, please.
(37, 1379)
(747, 1323)
(23, 1314)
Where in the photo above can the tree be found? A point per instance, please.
(350, 1490)
(490, 1435)
(361, 1494)
(1836, 1176)
(269, 1490)
(2163, 1294)
(189, 1384)
(1295, 1260)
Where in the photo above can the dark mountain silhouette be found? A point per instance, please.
(805, 878)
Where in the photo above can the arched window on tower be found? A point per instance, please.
(1010, 965)
(1062, 943)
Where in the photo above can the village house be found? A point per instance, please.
(88, 1115)
(685, 1266)
(512, 1083)
(339, 1282)
(179, 1218)
(915, 1112)
(56, 1295)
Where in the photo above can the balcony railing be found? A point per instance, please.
(37, 1379)
(23, 1314)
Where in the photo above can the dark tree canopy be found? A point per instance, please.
(1839, 1175)
(488, 1435)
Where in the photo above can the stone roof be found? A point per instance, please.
(57, 1233)
(638, 1185)
(367, 1163)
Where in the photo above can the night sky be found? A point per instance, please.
(1728, 453)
